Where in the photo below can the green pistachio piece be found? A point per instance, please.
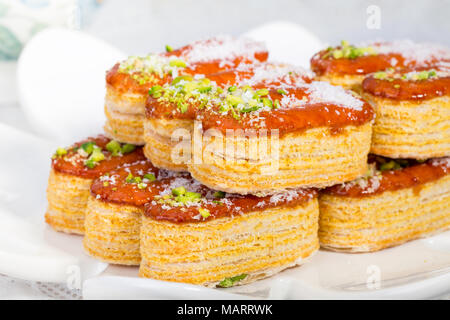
(193, 195)
(128, 147)
(262, 92)
(219, 194)
(204, 212)
(179, 191)
(155, 91)
(380, 75)
(229, 282)
(88, 147)
(129, 178)
(150, 176)
(177, 63)
(97, 155)
(142, 185)
(114, 147)
(168, 48)
(337, 54)
(61, 152)
(90, 163)
(234, 100)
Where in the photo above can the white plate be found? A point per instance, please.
(419, 269)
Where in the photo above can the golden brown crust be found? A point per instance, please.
(67, 199)
(409, 129)
(159, 147)
(384, 220)
(258, 244)
(314, 158)
(112, 232)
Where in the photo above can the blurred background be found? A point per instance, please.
(142, 26)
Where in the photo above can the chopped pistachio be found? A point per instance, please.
(61, 152)
(337, 54)
(183, 107)
(391, 165)
(193, 195)
(90, 163)
(232, 88)
(181, 78)
(168, 48)
(88, 147)
(234, 100)
(276, 104)
(97, 155)
(128, 147)
(281, 91)
(129, 178)
(114, 147)
(231, 281)
(142, 185)
(177, 63)
(150, 176)
(105, 183)
(396, 86)
(155, 91)
(179, 191)
(219, 194)
(262, 92)
(380, 75)
(204, 212)
(267, 102)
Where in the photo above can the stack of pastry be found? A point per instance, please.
(225, 189)
(406, 193)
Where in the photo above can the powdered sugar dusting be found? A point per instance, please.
(224, 48)
(323, 92)
(413, 52)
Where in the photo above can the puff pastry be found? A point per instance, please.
(397, 201)
(303, 142)
(128, 82)
(168, 131)
(114, 210)
(73, 170)
(346, 65)
(412, 112)
(192, 234)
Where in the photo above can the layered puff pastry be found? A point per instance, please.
(347, 65)
(72, 172)
(261, 141)
(169, 123)
(193, 234)
(395, 202)
(128, 82)
(113, 214)
(412, 112)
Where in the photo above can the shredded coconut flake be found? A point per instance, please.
(323, 92)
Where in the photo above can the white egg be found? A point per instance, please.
(287, 42)
(61, 83)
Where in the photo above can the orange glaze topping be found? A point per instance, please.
(409, 84)
(221, 53)
(298, 111)
(396, 54)
(411, 174)
(303, 104)
(139, 74)
(131, 184)
(210, 204)
(73, 163)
